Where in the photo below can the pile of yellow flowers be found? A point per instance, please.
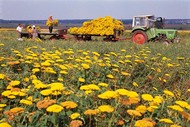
(29, 28)
(55, 22)
(100, 26)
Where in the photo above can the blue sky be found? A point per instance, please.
(89, 9)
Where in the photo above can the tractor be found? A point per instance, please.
(147, 28)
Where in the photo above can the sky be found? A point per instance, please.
(90, 9)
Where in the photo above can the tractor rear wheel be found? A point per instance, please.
(139, 37)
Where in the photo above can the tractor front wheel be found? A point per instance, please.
(139, 37)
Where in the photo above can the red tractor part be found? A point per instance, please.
(139, 37)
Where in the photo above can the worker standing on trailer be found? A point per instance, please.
(50, 23)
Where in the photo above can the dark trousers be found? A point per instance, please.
(50, 29)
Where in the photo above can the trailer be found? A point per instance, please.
(60, 34)
(88, 37)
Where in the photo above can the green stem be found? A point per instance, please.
(112, 117)
(131, 121)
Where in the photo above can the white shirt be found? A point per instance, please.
(19, 29)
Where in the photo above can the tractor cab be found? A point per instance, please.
(142, 21)
(147, 21)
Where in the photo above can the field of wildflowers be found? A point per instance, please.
(62, 83)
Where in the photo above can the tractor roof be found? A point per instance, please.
(144, 16)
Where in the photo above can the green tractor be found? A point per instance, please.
(147, 28)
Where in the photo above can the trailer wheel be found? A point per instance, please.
(139, 37)
(167, 42)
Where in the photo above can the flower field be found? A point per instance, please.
(62, 83)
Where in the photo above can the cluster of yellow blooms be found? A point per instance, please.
(52, 23)
(99, 26)
(29, 28)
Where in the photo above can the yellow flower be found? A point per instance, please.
(141, 109)
(14, 83)
(170, 65)
(88, 92)
(133, 112)
(152, 108)
(81, 79)
(60, 79)
(143, 123)
(63, 67)
(95, 53)
(89, 87)
(85, 66)
(129, 101)
(6, 93)
(159, 70)
(132, 94)
(188, 107)
(164, 58)
(17, 110)
(55, 22)
(183, 104)
(26, 102)
(175, 125)
(56, 86)
(109, 76)
(74, 115)
(122, 92)
(135, 84)
(46, 64)
(21, 94)
(69, 104)
(165, 120)
(176, 107)
(158, 100)
(91, 112)
(35, 70)
(5, 124)
(169, 93)
(11, 97)
(54, 108)
(2, 105)
(147, 97)
(108, 95)
(38, 84)
(55, 93)
(2, 76)
(103, 84)
(46, 92)
(26, 79)
(106, 108)
(1, 44)
(125, 73)
(63, 72)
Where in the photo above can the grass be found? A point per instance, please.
(108, 82)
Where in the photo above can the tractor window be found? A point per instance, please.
(140, 21)
(137, 22)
